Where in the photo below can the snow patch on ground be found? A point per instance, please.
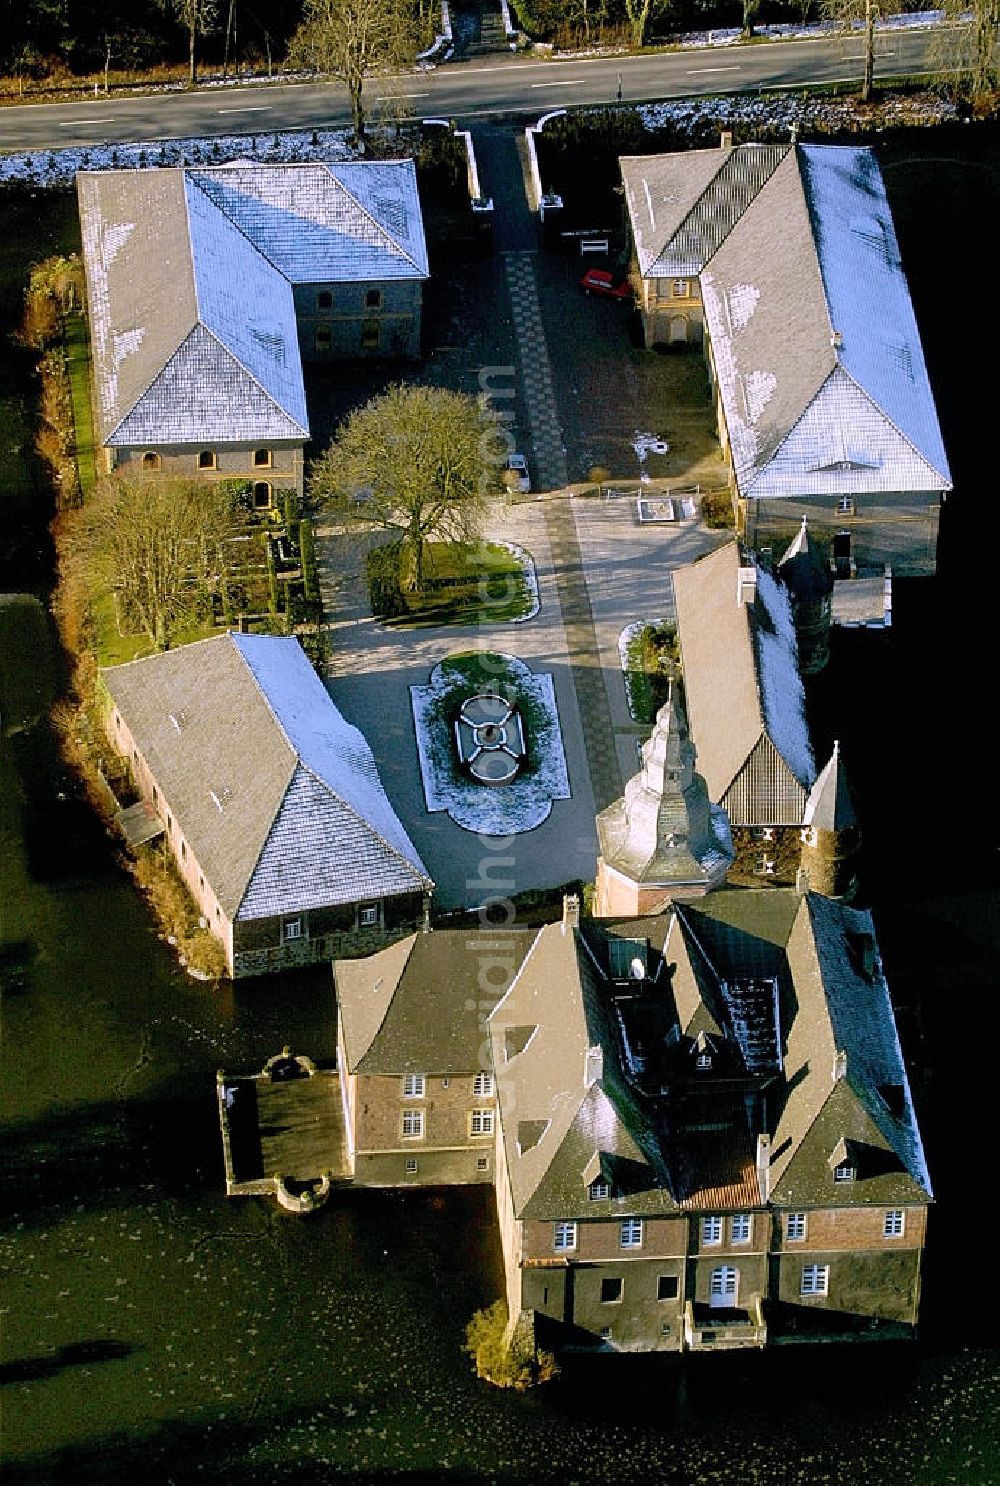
(527, 562)
(59, 167)
(502, 810)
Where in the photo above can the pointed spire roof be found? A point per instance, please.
(663, 831)
(802, 569)
(829, 806)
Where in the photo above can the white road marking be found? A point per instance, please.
(104, 119)
(391, 97)
(694, 71)
(860, 56)
(250, 108)
(570, 82)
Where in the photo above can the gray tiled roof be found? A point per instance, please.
(352, 222)
(558, 991)
(275, 793)
(421, 1006)
(817, 352)
(742, 687)
(193, 331)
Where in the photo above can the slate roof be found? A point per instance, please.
(830, 806)
(556, 1127)
(817, 353)
(193, 331)
(348, 222)
(189, 281)
(828, 1004)
(742, 687)
(275, 793)
(421, 1005)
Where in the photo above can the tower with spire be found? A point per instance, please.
(831, 836)
(810, 586)
(662, 839)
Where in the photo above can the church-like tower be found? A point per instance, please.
(662, 839)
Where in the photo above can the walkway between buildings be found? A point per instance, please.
(502, 177)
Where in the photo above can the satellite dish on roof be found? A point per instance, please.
(637, 969)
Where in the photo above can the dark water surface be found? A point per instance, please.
(154, 1331)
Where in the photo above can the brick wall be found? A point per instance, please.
(599, 1239)
(446, 1110)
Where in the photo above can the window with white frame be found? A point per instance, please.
(414, 1085)
(368, 915)
(739, 1227)
(679, 288)
(815, 1279)
(894, 1223)
(599, 1189)
(845, 505)
(413, 1124)
(630, 1233)
(291, 929)
(765, 866)
(795, 1226)
(703, 1062)
(564, 1236)
(482, 1163)
(411, 1165)
(482, 1084)
(711, 1230)
(666, 1287)
(844, 1172)
(481, 1122)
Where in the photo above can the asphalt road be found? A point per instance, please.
(470, 90)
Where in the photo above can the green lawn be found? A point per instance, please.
(467, 584)
(78, 360)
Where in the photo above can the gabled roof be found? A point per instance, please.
(554, 1120)
(742, 689)
(818, 357)
(421, 1005)
(829, 1005)
(337, 223)
(275, 793)
(193, 330)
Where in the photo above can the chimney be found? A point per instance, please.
(839, 1065)
(571, 912)
(593, 1067)
(836, 339)
(764, 1166)
(726, 139)
(746, 585)
(802, 882)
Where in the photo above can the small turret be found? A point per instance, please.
(810, 585)
(831, 835)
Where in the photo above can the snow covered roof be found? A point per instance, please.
(193, 330)
(742, 688)
(275, 793)
(347, 222)
(819, 363)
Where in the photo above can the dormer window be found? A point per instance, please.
(599, 1189)
(844, 1172)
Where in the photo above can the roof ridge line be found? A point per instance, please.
(189, 175)
(380, 227)
(413, 941)
(353, 809)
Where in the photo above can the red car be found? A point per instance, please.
(599, 281)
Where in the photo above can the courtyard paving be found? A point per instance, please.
(579, 391)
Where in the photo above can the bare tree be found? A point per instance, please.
(975, 44)
(640, 13)
(354, 40)
(156, 543)
(848, 13)
(419, 461)
(197, 17)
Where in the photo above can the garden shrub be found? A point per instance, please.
(506, 1366)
